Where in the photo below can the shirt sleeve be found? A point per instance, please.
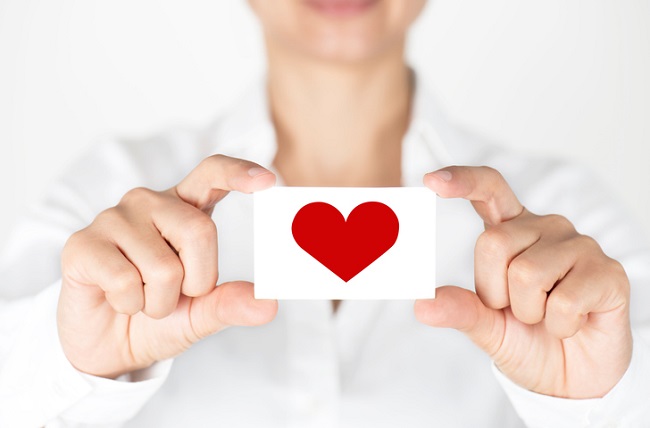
(569, 191)
(39, 387)
(626, 405)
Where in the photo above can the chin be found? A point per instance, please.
(349, 48)
(338, 30)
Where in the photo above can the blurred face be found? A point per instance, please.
(340, 30)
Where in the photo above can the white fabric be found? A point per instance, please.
(369, 365)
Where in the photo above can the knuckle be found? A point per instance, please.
(563, 304)
(558, 223)
(494, 174)
(215, 160)
(493, 242)
(586, 243)
(125, 280)
(168, 270)
(523, 270)
(138, 195)
(490, 170)
(109, 217)
(201, 228)
(75, 241)
(616, 270)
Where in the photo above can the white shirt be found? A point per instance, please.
(369, 365)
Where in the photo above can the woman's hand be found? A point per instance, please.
(139, 282)
(551, 309)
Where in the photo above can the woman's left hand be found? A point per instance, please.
(551, 309)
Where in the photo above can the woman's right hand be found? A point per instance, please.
(139, 283)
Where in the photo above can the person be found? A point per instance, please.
(539, 326)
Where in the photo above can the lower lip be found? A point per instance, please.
(341, 8)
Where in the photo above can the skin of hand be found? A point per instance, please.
(550, 308)
(139, 283)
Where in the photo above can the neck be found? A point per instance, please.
(339, 124)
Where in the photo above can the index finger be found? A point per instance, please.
(217, 175)
(485, 187)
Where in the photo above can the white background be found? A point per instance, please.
(562, 77)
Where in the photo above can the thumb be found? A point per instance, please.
(461, 309)
(491, 196)
(217, 175)
(229, 304)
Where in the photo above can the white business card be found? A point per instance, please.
(345, 243)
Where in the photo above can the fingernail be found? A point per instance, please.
(256, 170)
(443, 175)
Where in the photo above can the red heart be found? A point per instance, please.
(345, 247)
